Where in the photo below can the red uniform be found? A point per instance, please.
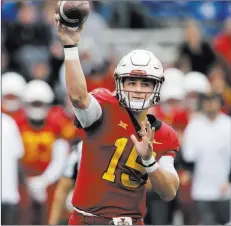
(16, 115)
(178, 118)
(37, 156)
(111, 179)
(68, 131)
(38, 145)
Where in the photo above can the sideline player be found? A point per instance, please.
(45, 150)
(119, 149)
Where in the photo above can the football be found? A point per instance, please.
(73, 13)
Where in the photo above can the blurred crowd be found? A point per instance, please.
(195, 101)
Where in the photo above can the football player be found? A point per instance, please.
(45, 150)
(123, 145)
(171, 108)
(195, 84)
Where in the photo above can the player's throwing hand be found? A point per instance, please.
(68, 36)
(144, 147)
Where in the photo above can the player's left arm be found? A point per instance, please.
(164, 178)
(162, 174)
(60, 149)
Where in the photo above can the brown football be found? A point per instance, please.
(73, 13)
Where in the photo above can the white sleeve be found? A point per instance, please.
(89, 115)
(167, 163)
(16, 140)
(188, 144)
(54, 170)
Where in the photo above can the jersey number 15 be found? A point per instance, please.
(131, 162)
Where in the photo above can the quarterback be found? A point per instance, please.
(123, 146)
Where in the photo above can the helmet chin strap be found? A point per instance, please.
(137, 105)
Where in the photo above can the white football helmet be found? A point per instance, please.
(13, 84)
(173, 77)
(37, 97)
(139, 64)
(172, 92)
(196, 82)
(173, 87)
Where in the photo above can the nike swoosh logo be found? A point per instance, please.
(155, 142)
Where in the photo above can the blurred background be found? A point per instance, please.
(192, 39)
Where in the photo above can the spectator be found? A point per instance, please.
(12, 151)
(219, 85)
(197, 52)
(28, 30)
(222, 43)
(130, 14)
(206, 143)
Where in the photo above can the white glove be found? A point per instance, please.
(37, 188)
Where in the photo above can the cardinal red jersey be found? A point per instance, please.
(178, 117)
(68, 131)
(38, 144)
(16, 115)
(111, 178)
(105, 81)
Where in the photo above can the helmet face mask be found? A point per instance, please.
(37, 97)
(141, 65)
(147, 100)
(11, 103)
(13, 85)
(37, 110)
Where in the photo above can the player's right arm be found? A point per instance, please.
(75, 80)
(86, 107)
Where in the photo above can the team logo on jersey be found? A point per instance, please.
(122, 221)
(155, 142)
(123, 125)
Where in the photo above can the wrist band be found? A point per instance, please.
(152, 168)
(70, 46)
(71, 52)
(150, 164)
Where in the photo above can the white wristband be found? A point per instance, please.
(152, 168)
(149, 161)
(71, 53)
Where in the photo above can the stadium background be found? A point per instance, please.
(31, 48)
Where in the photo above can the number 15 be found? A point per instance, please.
(109, 175)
